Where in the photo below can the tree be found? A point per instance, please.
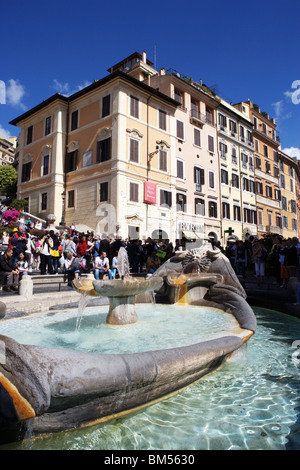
(8, 180)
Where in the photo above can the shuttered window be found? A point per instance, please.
(180, 130)
(26, 171)
(133, 192)
(198, 178)
(163, 160)
(103, 192)
(134, 150)
(165, 198)
(180, 172)
(211, 144)
(105, 105)
(74, 120)
(134, 106)
(162, 120)
(197, 137)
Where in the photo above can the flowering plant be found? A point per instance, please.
(10, 216)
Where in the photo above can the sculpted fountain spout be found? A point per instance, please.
(120, 292)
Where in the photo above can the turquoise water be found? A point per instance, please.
(253, 402)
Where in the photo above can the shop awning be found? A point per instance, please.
(193, 235)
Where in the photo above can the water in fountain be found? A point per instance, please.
(123, 263)
(83, 301)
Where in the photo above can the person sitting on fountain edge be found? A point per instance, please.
(102, 266)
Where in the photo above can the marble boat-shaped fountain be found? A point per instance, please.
(55, 389)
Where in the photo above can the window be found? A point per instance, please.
(178, 96)
(223, 150)
(224, 176)
(194, 108)
(26, 171)
(212, 209)
(266, 154)
(256, 145)
(197, 137)
(71, 161)
(209, 116)
(45, 165)
(105, 106)
(134, 106)
(163, 166)
(104, 150)
(211, 144)
(162, 119)
(134, 150)
(254, 122)
(71, 198)
(198, 178)
(292, 185)
(74, 120)
(48, 125)
(250, 216)
(242, 133)
(268, 167)
(284, 203)
(269, 191)
(232, 126)
(103, 192)
(29, 135)
(264, 128)
(294, 224)
(245, 184)
(180, 169)
(293, 206)
(222, 121)
(211, 179)
(282, 181)
(236, 212)
(226, 210)
(249, 137)
(276, 171)
(180, 130)
(259, 187)
(199, 206)
(180, 202)
(44, 202)
(133, 192)
(258, 163)
(235, 180)
(233, 156)
(277, 194)
(270, 218)
(165, 198)
(285, 223)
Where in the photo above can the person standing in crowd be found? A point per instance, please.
(19, 242)
(45, 254)
(241, 259)
(291, 258)
(55, 254)
(114, 266)
(260, 255)
(68, 245)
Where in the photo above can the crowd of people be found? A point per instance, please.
(73, 253)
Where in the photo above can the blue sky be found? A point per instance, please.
(243, 49)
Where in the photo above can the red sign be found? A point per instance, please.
(150, 192)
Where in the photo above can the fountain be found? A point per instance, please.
(53, 389)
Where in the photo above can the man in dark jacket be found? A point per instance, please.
(9, 275)
(19, 241)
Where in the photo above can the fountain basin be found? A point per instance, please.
(121, 295)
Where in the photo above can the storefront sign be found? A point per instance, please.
(191, 226)
(150, 192)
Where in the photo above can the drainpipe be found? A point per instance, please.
(64, 193)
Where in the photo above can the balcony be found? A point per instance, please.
(273, 229)
(197, 118)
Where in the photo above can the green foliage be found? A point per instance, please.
(8, 180)
(19, 204)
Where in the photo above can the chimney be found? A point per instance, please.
(144, 57)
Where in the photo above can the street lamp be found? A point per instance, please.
(63, 197)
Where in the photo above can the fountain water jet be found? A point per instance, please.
(120, 292)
